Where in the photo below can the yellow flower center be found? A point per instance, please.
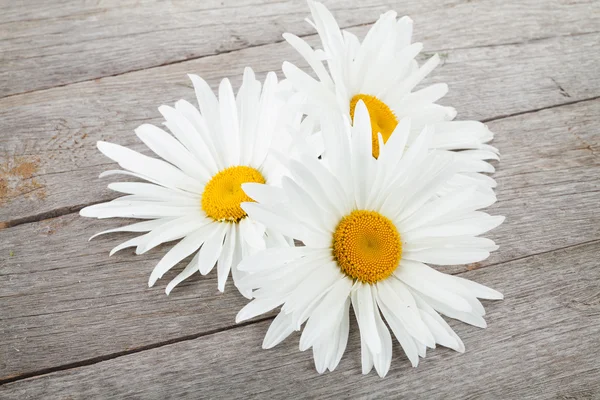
(367, 246)
(383, 119)
(223, 193)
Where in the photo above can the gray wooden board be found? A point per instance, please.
(65, 301)
(66, 307)
(47, 44)
(54, 131)
(541, 343)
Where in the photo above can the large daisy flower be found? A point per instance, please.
(383, 73)
(370, 227)
(194, 193)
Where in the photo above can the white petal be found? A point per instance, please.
(226, 257)
(285, 225)
(323, 316)
(257, 307)
(305, 207)
(278, 331)
(253, 233)
(136, 209)
(405, 340)
(172, 230)
(211, 249)
(342, 336)
(185, 131)
(188, 271)
(272, 258)
(382, 360)
(160, 171)
(312, 287)
(264, 194)
(229, 122)
(307, 52)
(423, 306)
(470, 318)
(406, 314)
(181, 250)
(171, 150)
(144, 226)
(449, 256)
(301, 79)
(366, 318)
(130, 243)
(431, 289)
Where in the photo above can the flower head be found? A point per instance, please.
(193, 193)
(381, 71)
(370, 227)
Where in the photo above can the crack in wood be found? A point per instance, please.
(73, 209)
(217, 53)
(58, 212)
(534, 110)
(111, 356)
(174, 62)
(106, 357)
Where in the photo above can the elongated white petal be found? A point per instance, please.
(257, 307)
(397, 327)
(278, 331)
(180, 251)
(342, 336)
(226, 257)
(151, 167)
(264, 194)
(144, 226)
(172, 230)
(171, 150)
(324, 313)
(188, 271)
(431, 289)
(405, 313)
(229, 121)
(286, 225)
(211, 249)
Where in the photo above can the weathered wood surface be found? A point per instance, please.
(47, 44)
(75, 323)
(540, 344)
(60, 305)
(55, 130)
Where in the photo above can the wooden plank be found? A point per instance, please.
(56, 43)
(78, 304)
(52, 134)
(539, 344)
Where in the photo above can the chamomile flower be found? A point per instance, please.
(383, 73)
(194, 193)
(370, 227)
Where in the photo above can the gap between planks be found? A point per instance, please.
(111, 356)
(62, 211)
(309, 36)
(214, 54)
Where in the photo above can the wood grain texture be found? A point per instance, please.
(540, 344)
(75, 323)
(55, 130)
(55, 43)
(77, 302)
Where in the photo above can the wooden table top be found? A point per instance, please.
(75, 323)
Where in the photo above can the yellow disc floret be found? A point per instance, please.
(383, 119)
(367, 246)
(223, 193)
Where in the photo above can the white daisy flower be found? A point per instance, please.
(382, 72)
(195, 193)
(370, 227)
